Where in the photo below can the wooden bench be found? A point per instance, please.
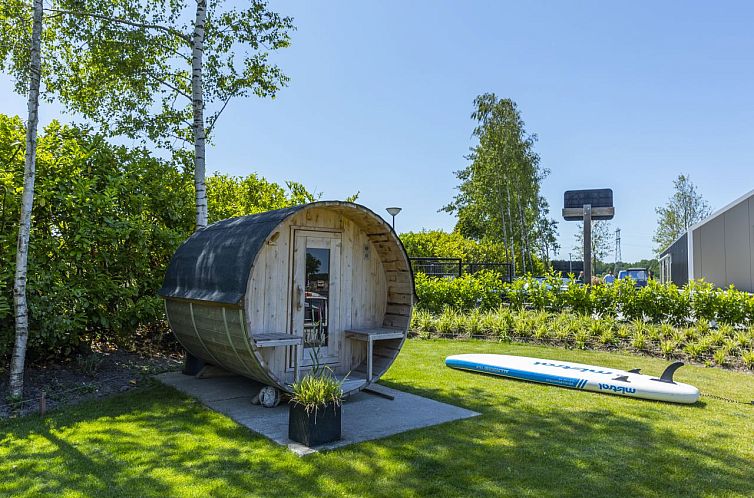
(371, 335)
(275, 339)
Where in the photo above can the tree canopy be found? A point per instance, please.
(499, 194)
(685, 208)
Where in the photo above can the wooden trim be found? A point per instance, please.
(230, 342)
(199, 337)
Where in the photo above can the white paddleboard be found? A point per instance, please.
(580, 376)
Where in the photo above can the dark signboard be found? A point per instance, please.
(600, 197)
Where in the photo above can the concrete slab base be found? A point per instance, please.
(365, 416)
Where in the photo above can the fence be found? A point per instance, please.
(455, 267)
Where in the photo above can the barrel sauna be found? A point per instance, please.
(270, 295)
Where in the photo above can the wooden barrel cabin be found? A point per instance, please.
(269, 295)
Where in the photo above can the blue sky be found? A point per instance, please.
(625, 96)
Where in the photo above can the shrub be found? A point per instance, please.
(481, 290)
(748, 358)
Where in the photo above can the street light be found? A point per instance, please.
(393, 211)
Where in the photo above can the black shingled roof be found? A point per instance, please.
(214, 263)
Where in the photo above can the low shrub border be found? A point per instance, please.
(725, 345)
(656, 303)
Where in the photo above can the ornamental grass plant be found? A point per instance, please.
(724, 345)
(315, 391)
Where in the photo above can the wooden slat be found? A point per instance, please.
(399, 309)
(396, 321)
(399, 298)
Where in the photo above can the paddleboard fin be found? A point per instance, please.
(622, 378)
(667, 375)
(635, 371)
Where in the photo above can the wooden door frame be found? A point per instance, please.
(336, 237)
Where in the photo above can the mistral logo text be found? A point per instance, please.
(568, 367)
(617, 389)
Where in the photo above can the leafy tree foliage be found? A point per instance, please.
(441, 244)
(499, 197)
(165, 70)
(230, 196)
(685, 208)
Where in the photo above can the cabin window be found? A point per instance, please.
(317, 288)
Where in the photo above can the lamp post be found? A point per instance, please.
(393, 211)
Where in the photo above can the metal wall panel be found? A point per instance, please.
(697, 252)
(679, 265)
(751, 240)
(737, 245)
(713, 251)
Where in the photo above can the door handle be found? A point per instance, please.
(299, 294)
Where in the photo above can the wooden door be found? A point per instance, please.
(315, 313)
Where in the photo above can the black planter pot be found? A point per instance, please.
(317, 427)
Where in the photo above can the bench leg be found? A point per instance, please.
(295, 363)
(369, 359)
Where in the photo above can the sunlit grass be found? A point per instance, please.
(531, 440)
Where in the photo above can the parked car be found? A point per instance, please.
(640, 276)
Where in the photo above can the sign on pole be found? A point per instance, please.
(588, 205)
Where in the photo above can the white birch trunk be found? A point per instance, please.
(27, 201)
(197, 97)
(522, 228)
(513, 234)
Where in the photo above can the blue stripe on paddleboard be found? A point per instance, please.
(555, 380)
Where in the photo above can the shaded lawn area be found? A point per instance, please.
(530, 440)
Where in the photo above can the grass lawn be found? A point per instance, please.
(530, 440)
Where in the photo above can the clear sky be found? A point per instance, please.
(625, 96)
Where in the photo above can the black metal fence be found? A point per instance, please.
(455, 267)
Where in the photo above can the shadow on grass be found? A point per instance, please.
(158, 443)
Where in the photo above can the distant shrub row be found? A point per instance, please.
(656, 303)
(724, 346)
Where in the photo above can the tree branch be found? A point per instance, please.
(117, 20)
(214, 118)
(169, 85)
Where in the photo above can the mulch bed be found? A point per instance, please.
(95, 375)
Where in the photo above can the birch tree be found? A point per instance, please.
(685, 208)
(13, 58)
(165, 70)
(498, 195)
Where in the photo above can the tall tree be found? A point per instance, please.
(24, 68)
(602, 239)
(685, 208)
(165, 70)
(498, 195)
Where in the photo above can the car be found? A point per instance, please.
(640, 276)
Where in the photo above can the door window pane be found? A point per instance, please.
(317, 294)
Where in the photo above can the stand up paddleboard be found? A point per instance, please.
(579, 376)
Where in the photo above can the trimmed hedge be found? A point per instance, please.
(655, 303)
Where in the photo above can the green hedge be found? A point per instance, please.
(106, 221)
(655, 303)
(481, 290)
